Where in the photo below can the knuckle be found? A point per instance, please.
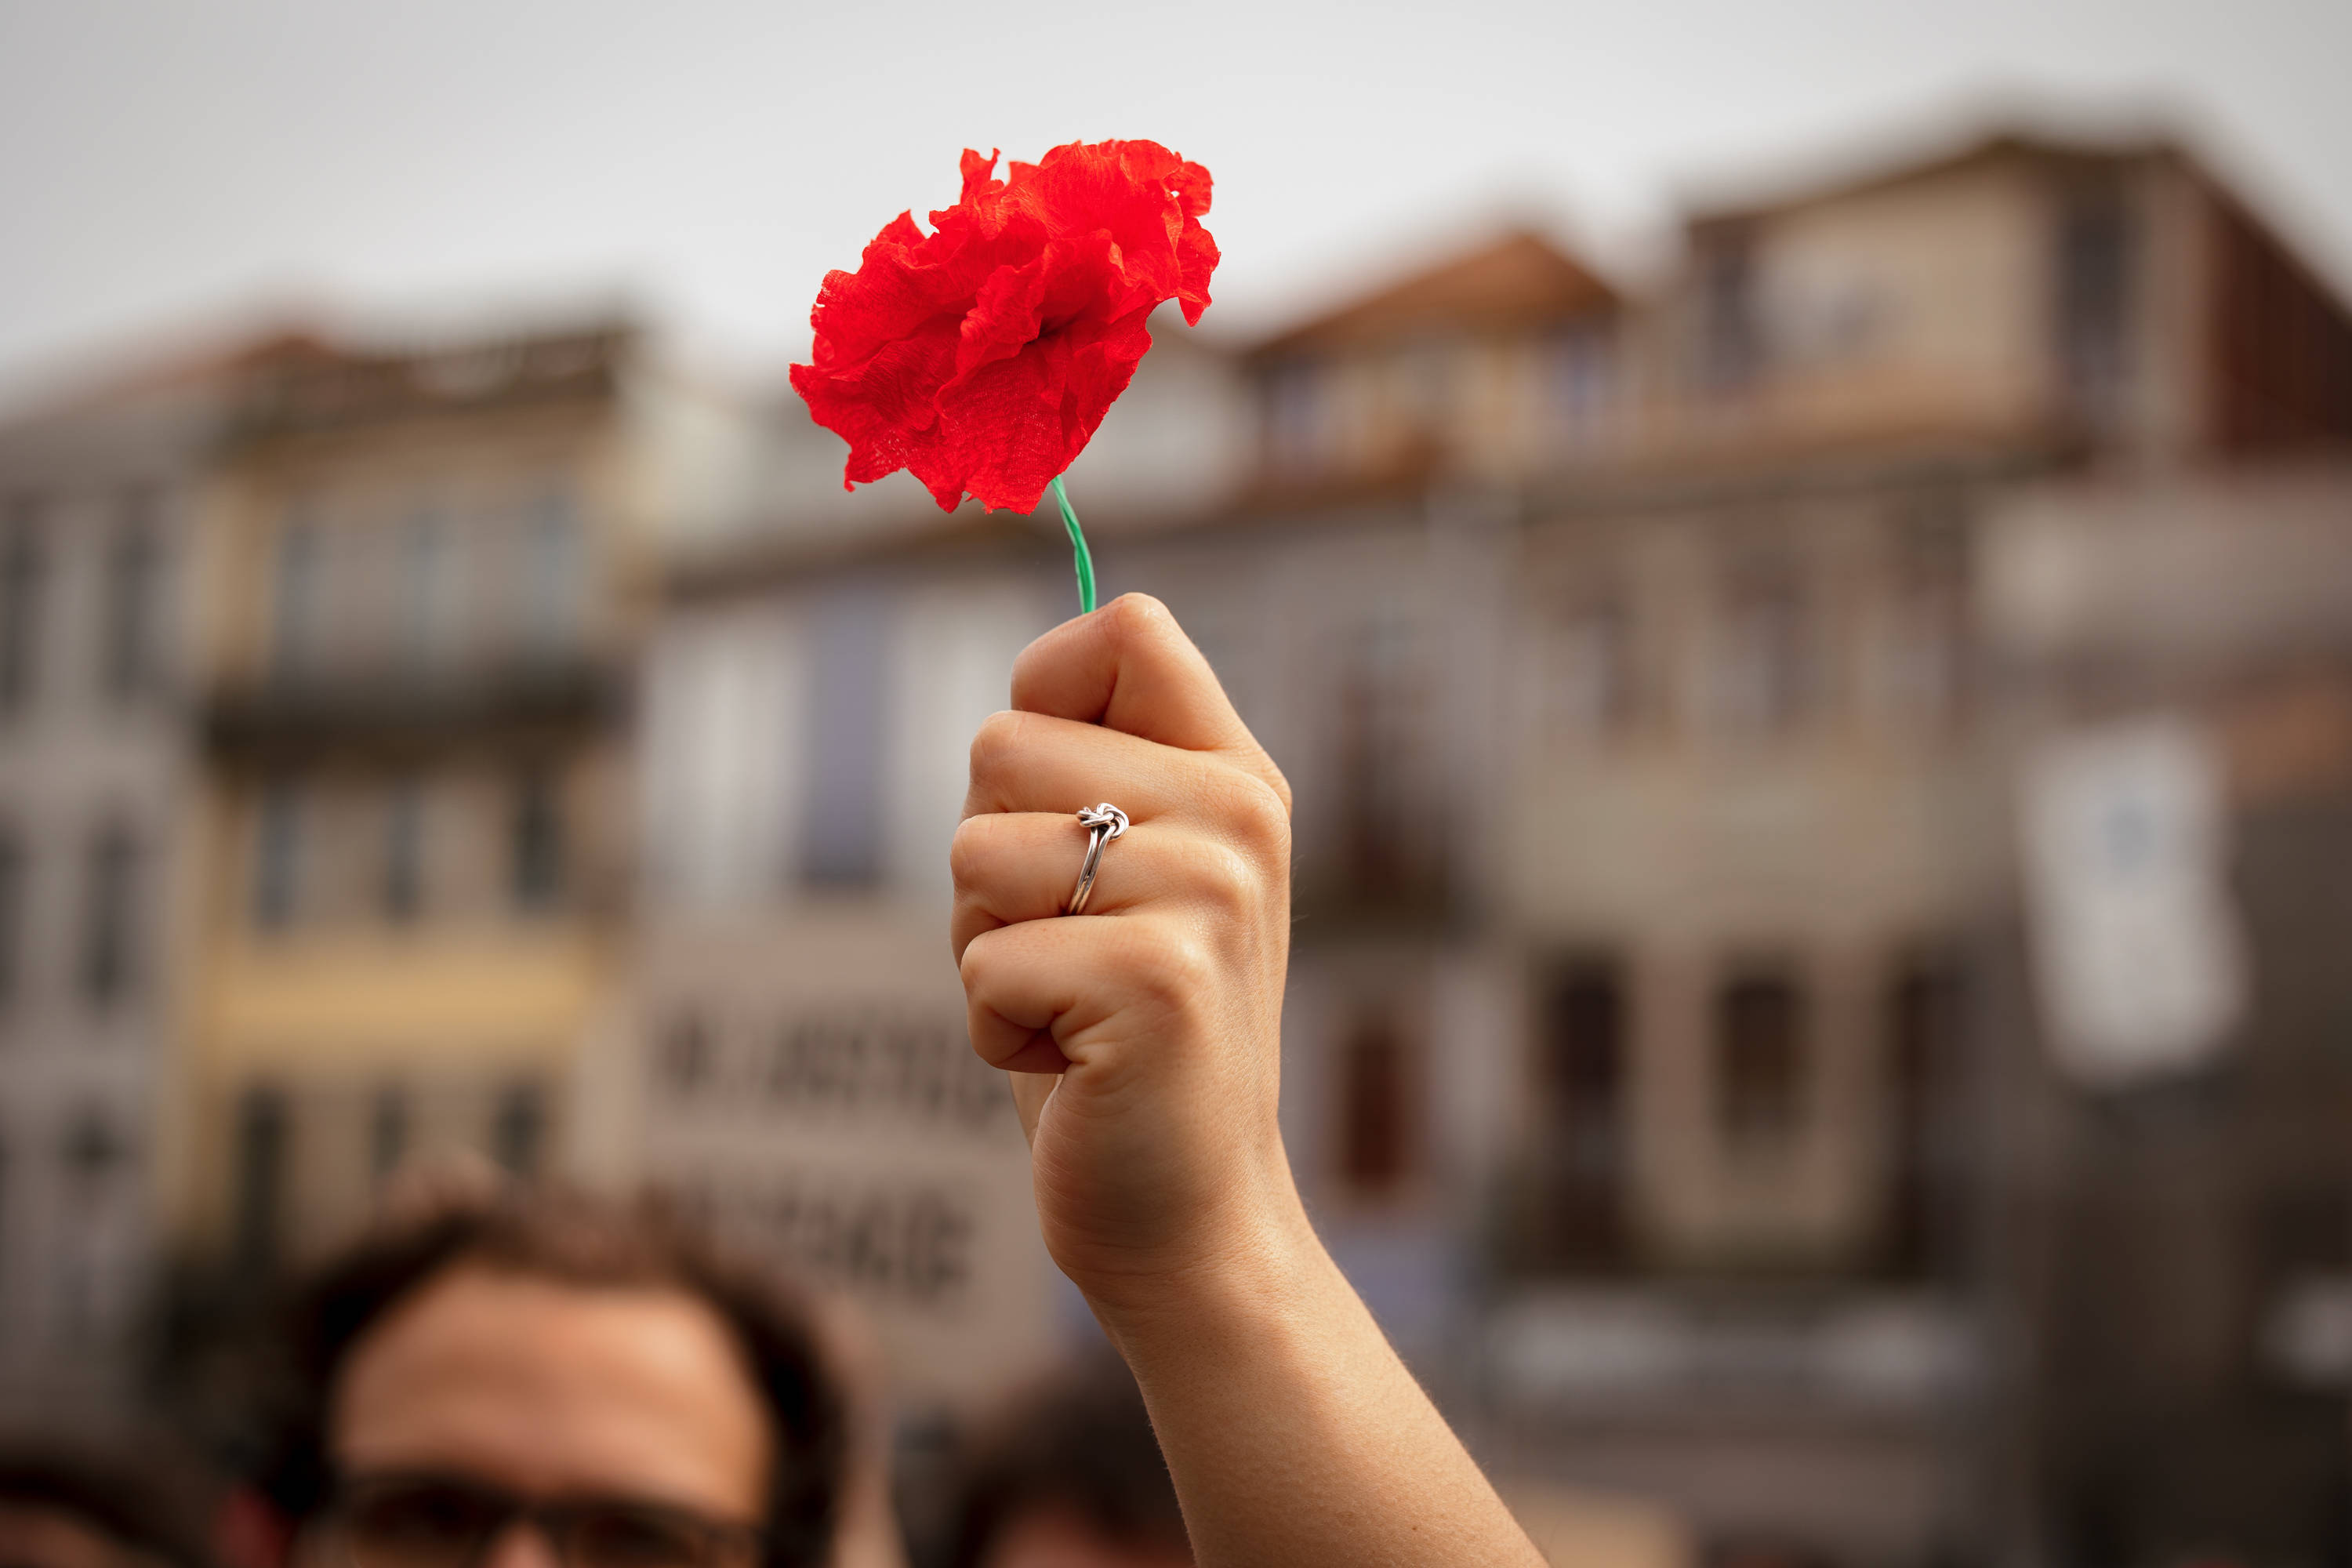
(1137, 617)
(967, 850)
(1224, 875)
(997, 744)
(1253, 813)
(1173, 968)
(1281, 788)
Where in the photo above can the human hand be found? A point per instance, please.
(1143, 1037)
(1294, 1434)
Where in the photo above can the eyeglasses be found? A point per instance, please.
(442, 1521)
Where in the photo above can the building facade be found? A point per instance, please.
(503, 746)
(1764, 1255)
(2174, 656)
(1649, 1057)
(423, 573)
(95, 763)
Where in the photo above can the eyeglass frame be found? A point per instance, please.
(550, 1516)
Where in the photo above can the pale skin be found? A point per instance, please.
(1144, 1041)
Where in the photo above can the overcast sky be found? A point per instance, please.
(167, 169)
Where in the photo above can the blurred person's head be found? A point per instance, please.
(513, 1380)
(82, 1508)
(1070, 1476)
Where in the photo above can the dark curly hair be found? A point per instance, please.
(577, 1238)
(142, 1498)
(1081, 1442)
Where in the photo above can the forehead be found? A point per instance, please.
(547, 1386)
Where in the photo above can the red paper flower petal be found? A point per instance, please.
(983, 356)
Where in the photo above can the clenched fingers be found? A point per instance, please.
(1038, 993)
(1128, 667)
(1011, 866)
(1032, 761)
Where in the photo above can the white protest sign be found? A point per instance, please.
(2140, 966)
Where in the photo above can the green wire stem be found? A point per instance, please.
(1079, 548)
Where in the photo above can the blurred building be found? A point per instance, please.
(1824, 800)
(423, 577)
(98, 492)
(1755, 1255)
(1610, 1133)
(2169, 1013)
(1657, 879)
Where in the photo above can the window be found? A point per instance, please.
(13, 876)
(94, 1152)
(264, 1132)
(842, 845)
(686, 1056)
(1375, 1107)
(1731, 333)
(1423, 376)
(1298, 417)
(131, 657)
(1921, 1076)
(1925, 675)
(2096, 270)
(430, 586)
(535, 842)
(277, 855)
(297, 586)
(553, 578)
(1581, 1153)
(1579, 378)
(518, 1128)
(24, 572)
(110, 917)
(387, 1131)
(401, 894)
(94, 1155)
(1592, 691)
(1760, 1067)
(1390, 826)
(1763, 675)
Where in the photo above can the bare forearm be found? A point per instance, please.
(1294, 1434)
(1296, 1437)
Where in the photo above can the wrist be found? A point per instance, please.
(1260, 1259)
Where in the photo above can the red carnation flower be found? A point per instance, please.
(983, 356)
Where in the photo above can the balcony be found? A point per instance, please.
(299, 710)
(343, 388)
(1626, 1348)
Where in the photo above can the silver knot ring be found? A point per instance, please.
(1102, 823)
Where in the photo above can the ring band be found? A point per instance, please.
(1102, 823)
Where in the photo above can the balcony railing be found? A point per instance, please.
(299, 706)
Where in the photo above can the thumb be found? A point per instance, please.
(1129, 667)
(1030, 1092)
